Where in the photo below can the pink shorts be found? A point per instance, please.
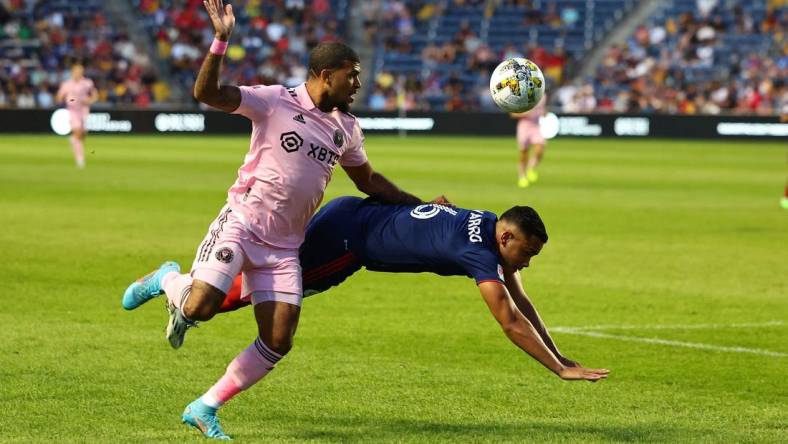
(229, 248)
(528, 134)
(78, 117)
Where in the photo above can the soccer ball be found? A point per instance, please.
(517, 85)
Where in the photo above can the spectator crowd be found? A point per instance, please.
(691, 57)
(452, 73)
(717, 57)
(41, 39)
(269, 45)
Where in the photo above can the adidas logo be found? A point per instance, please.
(299, 118)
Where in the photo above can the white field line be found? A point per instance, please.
(696, 345)
(671, 326)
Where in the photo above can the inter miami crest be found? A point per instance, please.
(224, 255)
(339, 138)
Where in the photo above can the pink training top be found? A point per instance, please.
(536, 112)
(291, 157)
(77, 93)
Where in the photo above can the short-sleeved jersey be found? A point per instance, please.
(536, 112)
(424, 238)
(292, 154)
(76, 92)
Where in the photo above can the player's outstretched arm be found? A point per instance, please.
(60, 97)
(515, 287)
(92, 96)
(206, 88)
(520, 331)
(374, 184)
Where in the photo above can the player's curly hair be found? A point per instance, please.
(330, 55)
(527, 220)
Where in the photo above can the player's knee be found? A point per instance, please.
(203, 303)
(198, 312)
(280, 344)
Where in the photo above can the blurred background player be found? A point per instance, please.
(529, 135)
(78, 93)
(784, 200)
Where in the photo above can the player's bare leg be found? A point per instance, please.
(178, 324)
(188, 301)
(533, 162)
(203, 302)
(77, 145)
(522, 180)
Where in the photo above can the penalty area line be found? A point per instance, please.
(712, 347)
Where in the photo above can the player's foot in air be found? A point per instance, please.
(203, 418)
(522, 182)
(177, 326)
(532, 175)
(147, 287)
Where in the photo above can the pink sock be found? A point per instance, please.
(79, 152)
(250, 366)
(177, 287)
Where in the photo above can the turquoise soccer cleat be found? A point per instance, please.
(148, 286)
(203, 418)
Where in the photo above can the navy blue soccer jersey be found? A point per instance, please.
(409, 238)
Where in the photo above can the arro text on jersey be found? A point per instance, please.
(474, 230)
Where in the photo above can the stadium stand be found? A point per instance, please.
(39, 40)
(698, 57)
(691, 56)
(270, 42)
(439, 55)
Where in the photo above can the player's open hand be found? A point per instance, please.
(222, 18)
(583, 374)
(568, 362)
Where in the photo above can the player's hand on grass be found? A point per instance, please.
(583, 374)
(568, 362)
(222, 18)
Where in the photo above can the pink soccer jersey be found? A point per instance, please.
(76, 93)
(528, 132)
(537, 111)
(292, 154)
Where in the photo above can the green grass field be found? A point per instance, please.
(666, 264)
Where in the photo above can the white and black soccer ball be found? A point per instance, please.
(517, 85)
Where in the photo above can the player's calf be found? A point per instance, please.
(249, 367)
